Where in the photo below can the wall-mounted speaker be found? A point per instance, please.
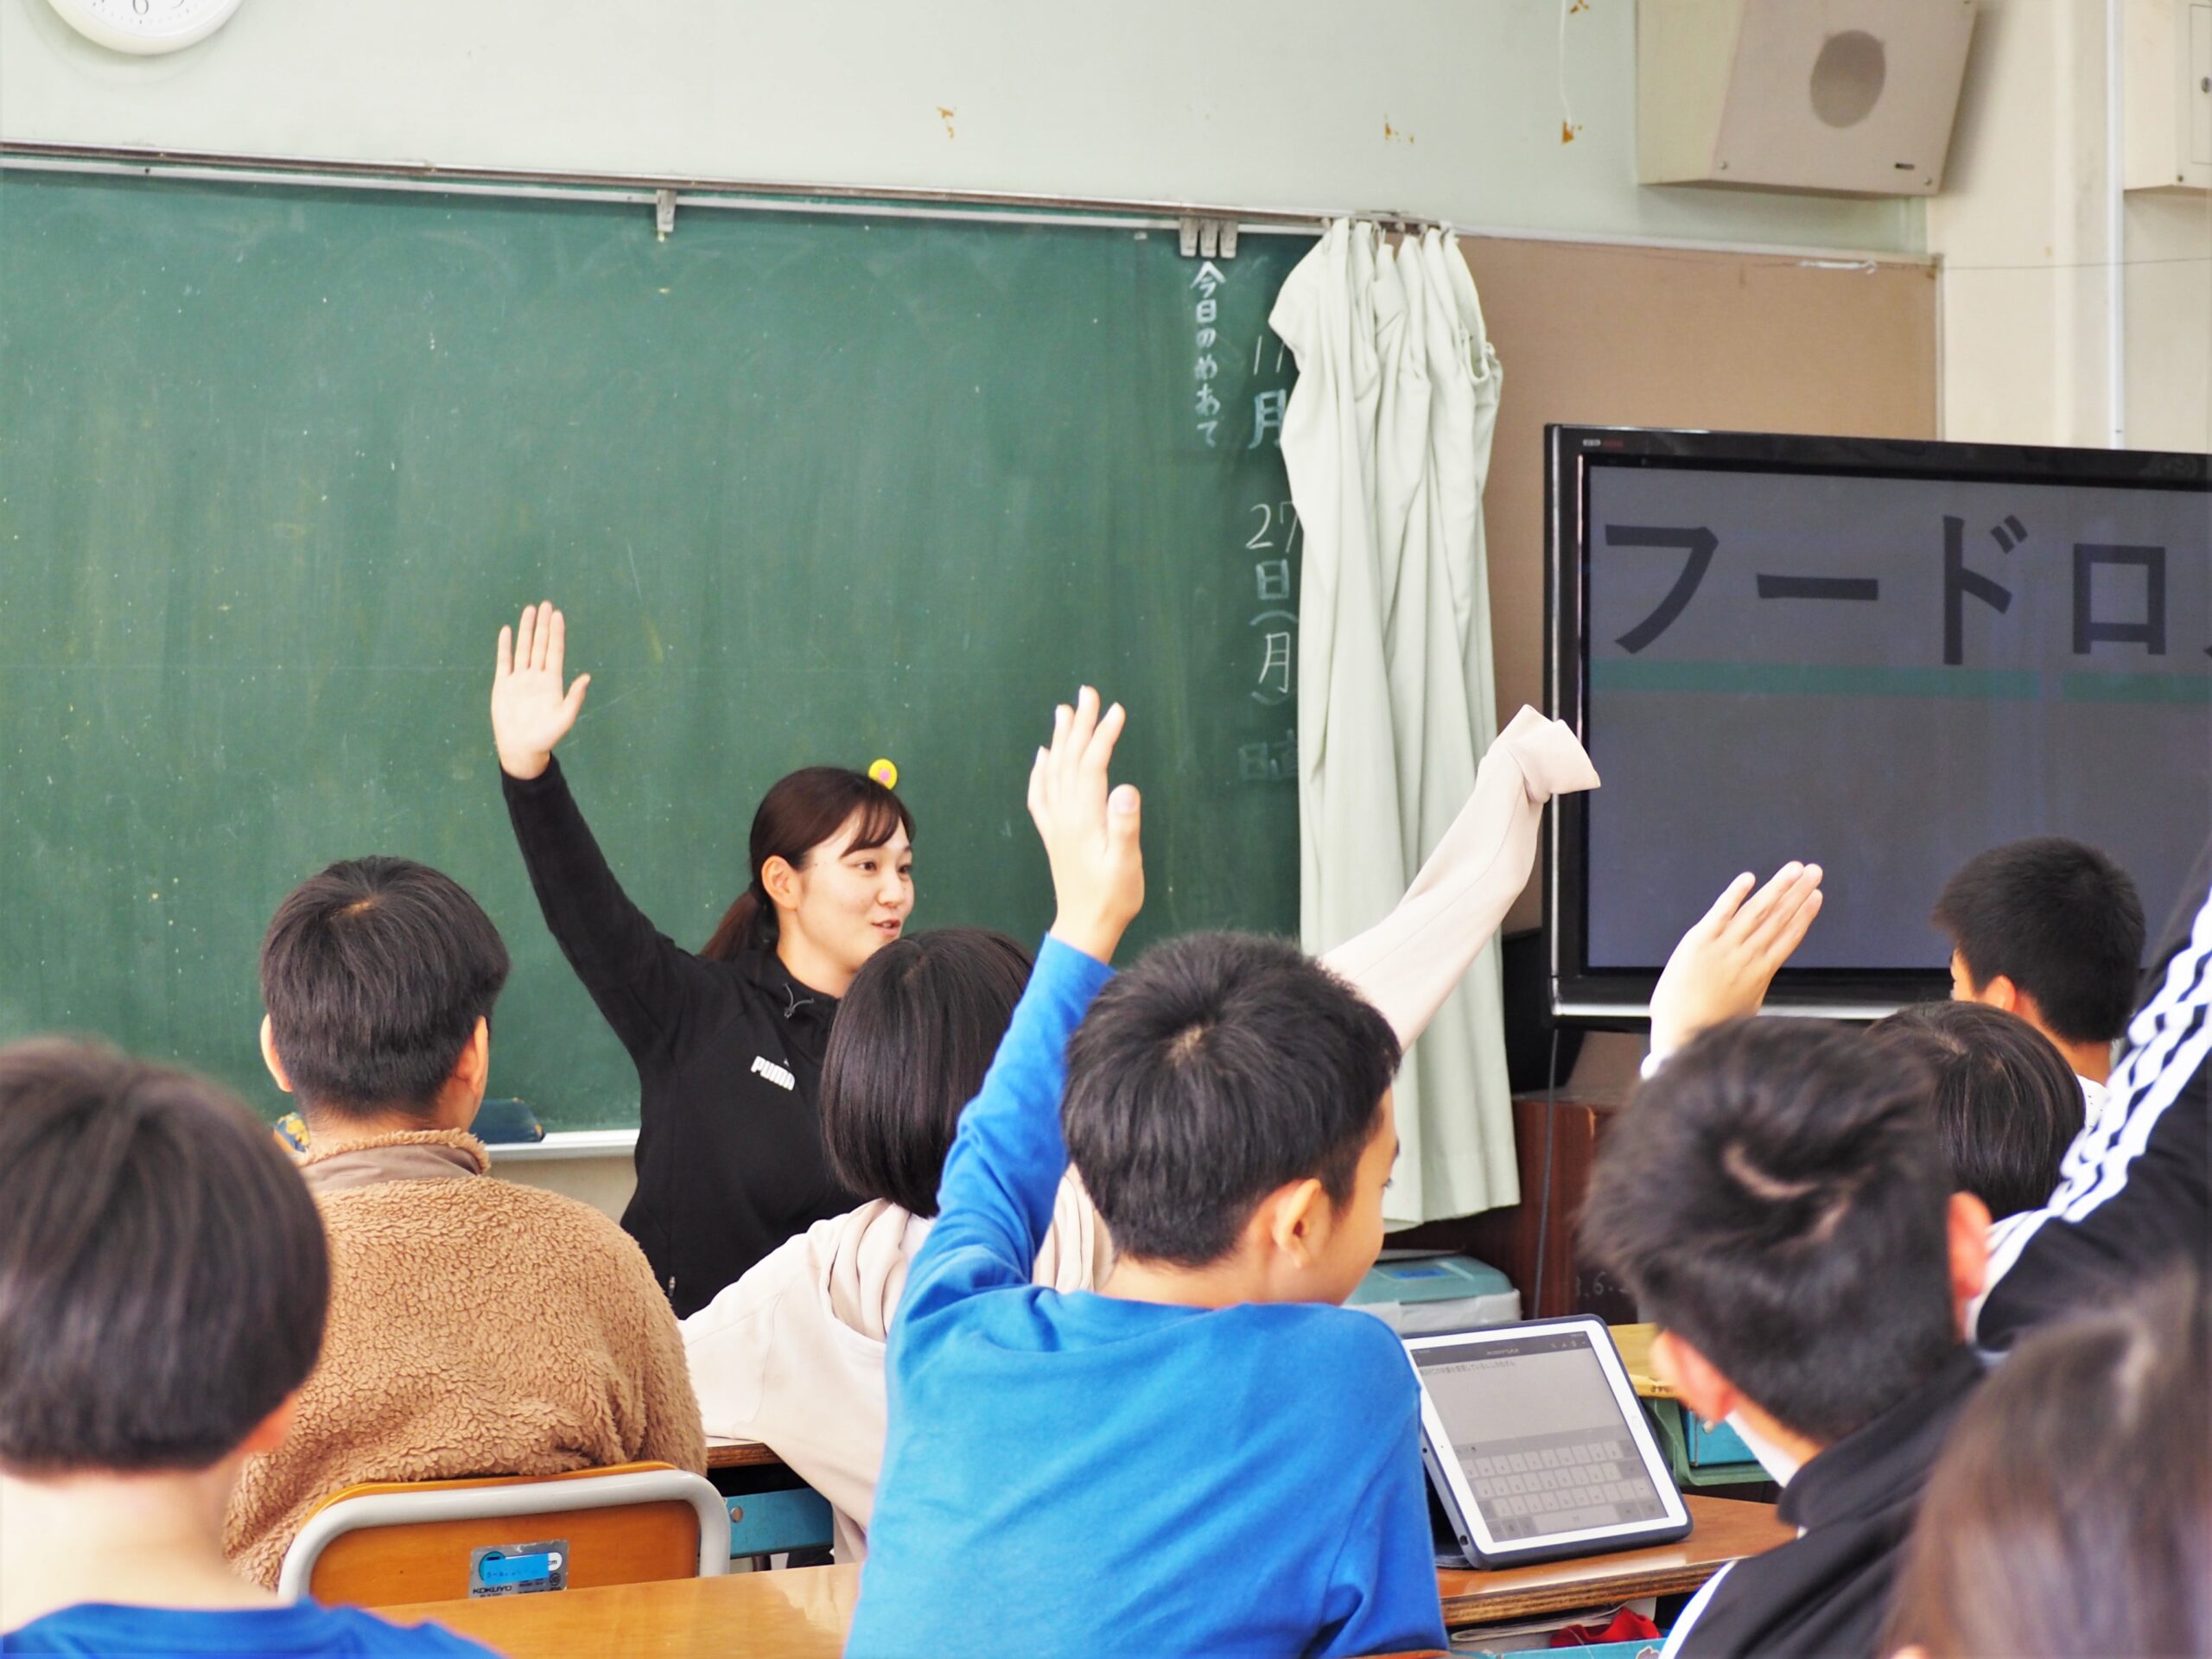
(1852, 97)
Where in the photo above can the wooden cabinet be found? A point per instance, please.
(1533, 1242)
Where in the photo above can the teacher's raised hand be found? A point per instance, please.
(530, 712)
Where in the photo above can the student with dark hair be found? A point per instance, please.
(728, 1042)
(2050, 930)
(1777, 1200)
(476, 1327)
(1234, 1463)
(2007, 1106)
(2071, 1515)
(162, 1283)
(2135, 1193)
(793, 1353)
(921, 1025)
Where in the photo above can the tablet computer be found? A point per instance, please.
(1537, 1445)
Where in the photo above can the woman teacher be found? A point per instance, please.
(729, 1041)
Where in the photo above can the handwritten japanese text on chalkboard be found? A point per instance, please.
(1206, 314)
(1274, 624)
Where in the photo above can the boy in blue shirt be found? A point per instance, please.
(1206, 1456)
(162, 1283)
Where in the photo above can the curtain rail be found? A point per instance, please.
(851, 201)
(691, 191)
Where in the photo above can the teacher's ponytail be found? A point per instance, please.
(801, 811)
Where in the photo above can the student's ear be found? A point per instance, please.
(269, 1058)
(1969, 1247)
(270, 1433)
(1696, 1382)
(1292, 1218)
(2000, 993)
(779, 880)
(471, 1071)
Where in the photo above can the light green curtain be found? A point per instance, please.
(1387, 438)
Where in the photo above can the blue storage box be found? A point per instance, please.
(768, 1523)
(1719, 1444)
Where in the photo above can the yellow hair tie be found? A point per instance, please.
(885, 773)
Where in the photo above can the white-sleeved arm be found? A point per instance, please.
(1407, 962)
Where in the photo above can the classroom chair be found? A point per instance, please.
(384, 1543)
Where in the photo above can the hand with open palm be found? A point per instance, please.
(1090, 828)
(1721, 968)
(530, 712)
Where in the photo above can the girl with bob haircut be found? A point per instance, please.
(793, 1354)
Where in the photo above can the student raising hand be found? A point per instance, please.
(1089, 833)
(1721, 968)
(529, 711)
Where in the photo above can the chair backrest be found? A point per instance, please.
(379, 1544)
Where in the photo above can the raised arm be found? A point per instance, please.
(1721, 968)
(996, 1198)
(1410, 961)
(642, 980)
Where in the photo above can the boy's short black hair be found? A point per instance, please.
(374, 974)
(2061, 921)
(914, 1035)
(1217, 1068)
(1776, 1195)
(163, 1277)
(2007, 1105)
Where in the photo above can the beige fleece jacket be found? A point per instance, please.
(793, 1354)
(476, 1328)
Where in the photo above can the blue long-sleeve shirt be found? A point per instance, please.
(1079, 1474)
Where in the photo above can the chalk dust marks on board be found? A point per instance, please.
(652, 633)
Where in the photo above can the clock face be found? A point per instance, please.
(145, 26)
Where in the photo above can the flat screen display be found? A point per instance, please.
(1540, 1436)
(1880, 657)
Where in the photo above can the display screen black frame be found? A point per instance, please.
(1603, 996)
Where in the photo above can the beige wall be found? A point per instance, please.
(2170, 320)
(2021, 229)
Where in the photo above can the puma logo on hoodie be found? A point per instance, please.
(764, 1067)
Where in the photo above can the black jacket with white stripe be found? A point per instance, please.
(2137, 1192)
(1826, 1595)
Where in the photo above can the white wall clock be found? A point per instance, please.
(145, 27)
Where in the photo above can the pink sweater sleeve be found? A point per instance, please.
(1407, 962)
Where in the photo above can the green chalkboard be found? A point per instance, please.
(277, 463)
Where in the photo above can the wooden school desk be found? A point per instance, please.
(741, 1454)
(803, 1612)
(1721, 1531)
(1633, 1343)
